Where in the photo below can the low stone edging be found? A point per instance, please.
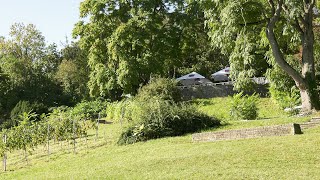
(279, 130)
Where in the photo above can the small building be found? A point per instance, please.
(193, 79)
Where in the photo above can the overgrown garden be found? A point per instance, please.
(126, 55)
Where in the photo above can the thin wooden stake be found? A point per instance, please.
(74, 137)
(48, 138)
(5, 154)
(97, 128)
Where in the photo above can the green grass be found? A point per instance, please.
(269, 114)
(285, 157)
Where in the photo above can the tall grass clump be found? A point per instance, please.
(158, 116)
(244, 106)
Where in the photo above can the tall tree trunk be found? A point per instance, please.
(305, 81)
(309, 94)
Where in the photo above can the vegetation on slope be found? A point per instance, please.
(284, 157)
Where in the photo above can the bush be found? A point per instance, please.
(244, 106)
(121, 110)
(25, 107)
(91, 109)
(288, 99)
(21, 107)
(163, 88)
(158, 118)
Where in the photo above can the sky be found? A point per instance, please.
(55, 19)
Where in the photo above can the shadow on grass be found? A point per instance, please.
(267, 118)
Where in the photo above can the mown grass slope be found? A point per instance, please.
(286, 157)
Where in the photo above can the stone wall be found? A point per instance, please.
(280, 130)
(196, 92)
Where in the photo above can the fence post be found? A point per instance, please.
(97, 128)
(4, 154)
(48, 138)
(121, 115)
(74, 136)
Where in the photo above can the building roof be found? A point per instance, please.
(192, 75)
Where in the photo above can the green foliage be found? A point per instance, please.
(61, 124)
(282, 88)
(20, 108)
(244, 106)
(72, 72)
(156, 118)
(165, 89)
(287, 99)
(242, 29)
(91, 109)
(157, 112)
(127, 43)
(124, 111)
(234, 27)
(28, 67)
(25, 107)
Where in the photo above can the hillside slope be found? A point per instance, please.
(286, 157)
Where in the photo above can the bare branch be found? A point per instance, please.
(276, 13)
(296, 24)
(309, 5)
(272, 7)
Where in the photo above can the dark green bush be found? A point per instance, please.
(244, 106)
(25, 106)
(163, 88)
(21, 106)
(158, 118)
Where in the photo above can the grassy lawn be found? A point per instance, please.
(269, 114)
(285, 157)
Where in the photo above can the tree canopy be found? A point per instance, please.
(280, 30)
(130, 41)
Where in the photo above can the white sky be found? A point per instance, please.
(54, 18)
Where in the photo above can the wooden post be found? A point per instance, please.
(5, 155)
(48, 138)
(121, 116)
(97, 128)
(25, 147)
(74, 136)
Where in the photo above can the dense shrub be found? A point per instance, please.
(156, 118)
(244, 106)
(25, 106)
(163, 88)
(91, 109)
(21, 107)
(288, 99)
(124, 110)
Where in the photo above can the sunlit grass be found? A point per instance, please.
(269, 113)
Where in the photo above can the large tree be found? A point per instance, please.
(302, 20)
(280, 28)
(130, 41)
(73, 72)
(27, 69)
